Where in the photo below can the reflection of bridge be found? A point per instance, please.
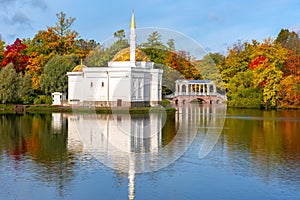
(202, 91)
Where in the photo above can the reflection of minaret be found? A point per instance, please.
(131, 174)
(132, 40)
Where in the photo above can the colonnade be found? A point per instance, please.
(195, 87)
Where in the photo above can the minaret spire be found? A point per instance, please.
(132, 23)
(132, 40)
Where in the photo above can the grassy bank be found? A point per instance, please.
(98, 110)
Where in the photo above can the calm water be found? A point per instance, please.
(197, 153)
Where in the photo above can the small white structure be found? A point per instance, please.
(130, 83)
(57, 97)
(195, 87)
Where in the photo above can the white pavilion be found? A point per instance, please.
(131, 83)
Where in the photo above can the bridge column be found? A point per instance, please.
(215, 89)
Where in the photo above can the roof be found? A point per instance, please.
(78, 68)
(124, 55)
(194, 81)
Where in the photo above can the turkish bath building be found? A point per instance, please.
(131, 82)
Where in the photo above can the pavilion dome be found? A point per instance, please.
(124, 55)
(79, 68)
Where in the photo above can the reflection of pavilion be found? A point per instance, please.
(122, 142)
(135, 144)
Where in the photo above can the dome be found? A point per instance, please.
(79, 68)
(124, 55)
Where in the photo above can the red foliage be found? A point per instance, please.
(15, 54)
(292, 66)
(258, 61)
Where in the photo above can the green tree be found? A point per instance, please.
(241, 91)
(153, 41)
(100, 57)
(2, 44)
(171, 45)
(63, 25)
(54, 77)
(9, 84)
(25, 91)
(209, 67)
(120, 34)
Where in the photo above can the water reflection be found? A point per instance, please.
(138, 143)
(267, 142)
(51, 148)
(26, 138)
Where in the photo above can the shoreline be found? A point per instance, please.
(44, 108)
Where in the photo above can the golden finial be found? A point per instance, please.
(132, 23)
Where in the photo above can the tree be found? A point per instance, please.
(2, 44)
(54, 77)
(85, 47)
(9, 84)
(100, 57)
(237, 60)
(209, 67)
(182, 62)
(15, 54)
(289, 91)
(154, 41)
(241, 91)
(120, 34)
(63, 27)
(25, 88)
(171, 45)
(67, 36)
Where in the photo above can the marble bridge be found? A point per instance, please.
(202, 91)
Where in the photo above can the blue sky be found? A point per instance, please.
(214, 24)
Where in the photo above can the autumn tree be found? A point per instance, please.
(269, 59)
(15, 54)
(67, 36)
(237, 60)
(63, 25)
(59, 39)
(85, 47)
(54, 78)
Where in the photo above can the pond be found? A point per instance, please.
(199, 152)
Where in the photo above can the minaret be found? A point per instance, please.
(132, 40)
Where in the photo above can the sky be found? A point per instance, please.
(213, 24)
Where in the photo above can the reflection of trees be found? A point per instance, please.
(268, 142)
(169, 130)
(32, 136)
